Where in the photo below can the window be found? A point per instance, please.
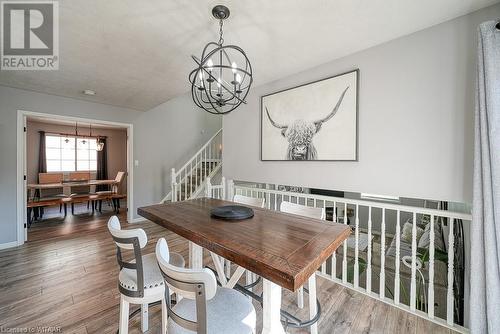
(70, 154)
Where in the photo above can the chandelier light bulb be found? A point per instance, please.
(234, 68)
(210, 64)
(238, 78)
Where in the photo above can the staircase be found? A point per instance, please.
(191, 179)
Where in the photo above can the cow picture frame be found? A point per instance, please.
(316, 121)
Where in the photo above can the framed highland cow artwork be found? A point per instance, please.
(314, 121)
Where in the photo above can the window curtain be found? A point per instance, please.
(42, 160)
(102, 166)
(485, 228)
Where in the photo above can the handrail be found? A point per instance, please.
(363, 202)
(197, 153)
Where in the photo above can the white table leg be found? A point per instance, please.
(271, 323)
(300, 297)
(195, 256)
(312, 302)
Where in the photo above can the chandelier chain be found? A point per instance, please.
(221, 39)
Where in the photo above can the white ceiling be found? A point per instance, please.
(137, 54)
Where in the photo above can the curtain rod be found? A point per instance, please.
(71, 135)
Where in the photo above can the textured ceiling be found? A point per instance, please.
(137, 54)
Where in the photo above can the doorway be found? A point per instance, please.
(71, 171)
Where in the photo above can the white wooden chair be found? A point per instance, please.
(140, 280)
(253, 201)
(205, 307)
(310, 212)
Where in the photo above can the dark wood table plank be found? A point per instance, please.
(283, 248)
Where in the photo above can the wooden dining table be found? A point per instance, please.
(284, 249)
(66, 185)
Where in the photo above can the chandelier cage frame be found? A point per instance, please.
(227, 95)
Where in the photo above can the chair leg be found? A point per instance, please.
(65, 210)
(144, 317)
(60, 208)
(100, 206)
(88, 205)
(164, 316)
(124, 307)
(30, 210)
(300, 297)
(93, 207)
(72, 208)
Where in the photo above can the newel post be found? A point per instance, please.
(230, 189)
(208, 188)
(223, 183)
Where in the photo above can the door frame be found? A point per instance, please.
(21, 164)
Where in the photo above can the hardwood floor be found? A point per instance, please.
(66, 277)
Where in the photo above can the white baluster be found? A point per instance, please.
(396, 264)
(430, 305)
(172, 182)
(344, 250)
(451, 245)
(413, 286)
(382, 258)
(223, 188)
(369, 254)
(356, 249)
(334, 255)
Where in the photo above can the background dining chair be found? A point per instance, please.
(50, 194)
(108, 195)
(140, 280)
(205, 307)
(306, 211)
(251, 278)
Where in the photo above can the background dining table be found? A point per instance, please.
(66, 185)
(284, 249)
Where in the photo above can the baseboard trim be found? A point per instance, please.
(8, 245)
(138, 220)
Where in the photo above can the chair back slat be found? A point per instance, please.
(134, 240)
(259, 202)
(302, 210)
(197, 284)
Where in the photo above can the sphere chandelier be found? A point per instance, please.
(221, 81)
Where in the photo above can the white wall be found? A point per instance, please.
(165, 137)
(416, 103)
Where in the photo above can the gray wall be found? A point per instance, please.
(165, 137)
(416, 104)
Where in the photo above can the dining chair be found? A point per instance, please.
(250, 277)
(53, 193)
(109, 194)
(306, 211)
(205, 307)
(140, 280)
(116, 186)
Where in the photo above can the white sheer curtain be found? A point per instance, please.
(485, 229)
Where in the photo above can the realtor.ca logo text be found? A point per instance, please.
(29, 35)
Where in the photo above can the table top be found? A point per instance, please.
(283, 248)
(70, 184)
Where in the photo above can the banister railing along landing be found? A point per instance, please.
(405, 256)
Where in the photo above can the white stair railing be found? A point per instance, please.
(189, 180)
(405, 280)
